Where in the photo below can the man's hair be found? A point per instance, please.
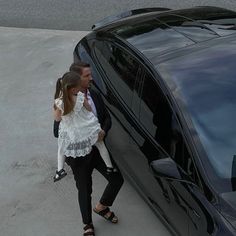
(78, 66)
(68, 81)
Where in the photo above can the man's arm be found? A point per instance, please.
(105, 120)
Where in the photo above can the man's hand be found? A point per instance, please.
(101, 135)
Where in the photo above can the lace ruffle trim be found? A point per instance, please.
(79, 101)
(78, 148)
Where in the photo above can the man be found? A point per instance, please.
(82, 167)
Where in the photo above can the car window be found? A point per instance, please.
(152, 37)
(157, 117)
(207, 100)
(188, 27)
(221, 21)
(85, 57)
(120, 67)
(155, 114)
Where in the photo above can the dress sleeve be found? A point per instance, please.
(59, 104)
(79, 101)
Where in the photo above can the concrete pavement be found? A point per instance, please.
(30, 203)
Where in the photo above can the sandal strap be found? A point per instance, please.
(110, 169)
(104, 212)
(60, 172)
(88, 226)
(89, 234)
(110, 218)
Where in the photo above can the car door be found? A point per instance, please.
(120, 72)
(130, 143)
(200, 210)
(183, 202)
(140, 135)
(152, 138)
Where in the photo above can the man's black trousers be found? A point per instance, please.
(82, 168)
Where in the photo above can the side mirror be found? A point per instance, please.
(166, 168)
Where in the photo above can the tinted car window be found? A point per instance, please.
(152, 37)
(120, 67)
(96, 76)
(207, 97)
(155, 113)
(221, 21)
(157, 117)
(187, 27)
(222, 26)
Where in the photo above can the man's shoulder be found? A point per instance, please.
(95, 93)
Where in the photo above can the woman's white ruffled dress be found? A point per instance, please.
(78, 130)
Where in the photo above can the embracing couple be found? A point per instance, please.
(81, 124)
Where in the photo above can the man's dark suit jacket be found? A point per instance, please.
(103, 115)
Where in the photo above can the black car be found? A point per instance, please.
(168, 78)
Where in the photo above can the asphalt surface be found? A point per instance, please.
(31, 60)
(82, 14)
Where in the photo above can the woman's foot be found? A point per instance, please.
(105, 212)
(59, 175)
(89, 230)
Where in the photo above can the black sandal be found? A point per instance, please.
(112, 218)
(89, 226)
(59, 175)
(111, 170)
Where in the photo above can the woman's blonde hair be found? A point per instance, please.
(68, 81)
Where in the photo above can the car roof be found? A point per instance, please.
(157, 34)
(213, 64)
